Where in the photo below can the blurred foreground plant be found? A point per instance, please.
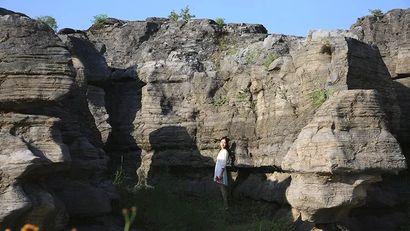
(129, 217)
(29, 227)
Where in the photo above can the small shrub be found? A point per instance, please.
(100, 19)
(326, 48)
(185, 15)
(243, 95)
(173, 16)
(232, 51)
(119, 175)
(50, 21)
(251, 56)
(222, 44)
(320, 96)
(268, 60)
(220, 101)
(220, 22)
(376, 12)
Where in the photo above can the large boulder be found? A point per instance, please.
(390, 32)
(35, 66)
(32, 149)
(48, 134)
(346, 147)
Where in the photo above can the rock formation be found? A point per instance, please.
(317, 114)
(338, 154)
(390, 33)
(50, 156)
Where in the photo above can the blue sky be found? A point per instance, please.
(294, 17)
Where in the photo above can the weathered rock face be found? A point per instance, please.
(51, 149)
(161, 94)
(347, 134)
(391, 34)
(258, 89)
(338, 154)
(35, 71)
(263, 91)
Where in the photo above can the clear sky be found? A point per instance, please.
(293, 17)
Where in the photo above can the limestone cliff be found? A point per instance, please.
(391, 34)
(51, 161)
(320, 114)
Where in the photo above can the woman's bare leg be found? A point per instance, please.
(224, 195)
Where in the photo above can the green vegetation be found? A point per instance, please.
(129, 218)
(220, 101)
(220, 22)
(232, 51)
(100, 19)
(320, 96)
(326, 48)
(251, 56)
(222, 44)
(243, 95)
(159, 209)
(173, 16)
(185, 15)
(376, 13)
(268, 60)
(119, 175)
(50, 21)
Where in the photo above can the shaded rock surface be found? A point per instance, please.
(338, 154)
(35, 71)
(48, 135)
(391, 34)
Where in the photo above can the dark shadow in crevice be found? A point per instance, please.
(403, 99)
(177, 163)
(122, 102)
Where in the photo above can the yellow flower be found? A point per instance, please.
(29, 227)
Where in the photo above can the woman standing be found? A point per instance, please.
(221, 175)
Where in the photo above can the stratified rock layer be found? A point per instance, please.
(391, 34)
(34, 64)
(348, 134)
(338, 154)
(51, 153)
(160, 94)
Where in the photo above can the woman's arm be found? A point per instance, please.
(224, 166)
(222, 173)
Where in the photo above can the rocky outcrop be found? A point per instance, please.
(35, 71)
(261, 90)
(346, 147)
(157, 95)
(390, 33)
(51, 155)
